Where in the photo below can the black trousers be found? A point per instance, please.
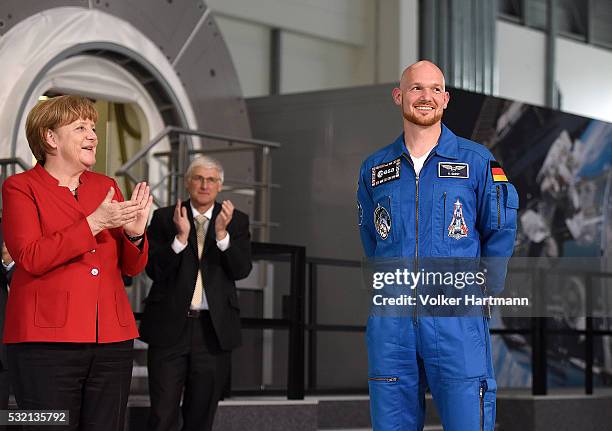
(90, 380)
(4, 392)
(196, 368)
(4, 389)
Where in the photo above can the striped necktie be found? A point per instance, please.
(200, 224)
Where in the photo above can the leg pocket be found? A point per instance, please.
(461, 347)
(396, 404)
(382, 337)
(384, 402)
(488, 393)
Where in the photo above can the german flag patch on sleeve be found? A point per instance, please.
(497, 172)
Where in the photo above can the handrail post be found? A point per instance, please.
(312, 325)
(264, 200)
(295, 371)
(539, 367)
(181, 165)
(588, 342)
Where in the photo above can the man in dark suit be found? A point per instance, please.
(198, 249)
(6, 271)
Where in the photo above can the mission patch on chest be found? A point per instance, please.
(386, 172)
(453, 170)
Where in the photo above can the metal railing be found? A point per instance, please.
(8, 167)
(313, 327)
(293, 322)
(178, 157)
(302, 356)
(540, 332)
(537, 329)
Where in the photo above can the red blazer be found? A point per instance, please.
(67, 282)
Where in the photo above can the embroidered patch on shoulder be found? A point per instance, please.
(453, 170)
(497, 172)
(386, 172)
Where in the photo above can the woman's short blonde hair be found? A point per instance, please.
(51, 114)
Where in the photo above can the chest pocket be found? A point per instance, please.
(504, 203)
(454, 221)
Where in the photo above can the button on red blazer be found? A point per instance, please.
(67, 285)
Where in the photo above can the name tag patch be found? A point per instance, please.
(453, 170)
(386, 172)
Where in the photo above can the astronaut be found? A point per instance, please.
(433, 194)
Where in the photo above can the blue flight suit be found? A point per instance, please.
(460, 205)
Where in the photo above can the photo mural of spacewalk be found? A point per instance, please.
(561, 165)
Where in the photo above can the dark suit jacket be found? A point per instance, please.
(174, 276)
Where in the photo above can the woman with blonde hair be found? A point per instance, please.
(69, 325)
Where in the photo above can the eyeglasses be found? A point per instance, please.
(202, 180)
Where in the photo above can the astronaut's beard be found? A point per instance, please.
(418, 120)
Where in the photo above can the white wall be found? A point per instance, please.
(388, 41)
(249, 46)
(520, 58)
(340, 43)
(584, 74)
(408, 15)
(398, 38)
(324, 44)
(343, 21)
(582, 71)
(310, 64)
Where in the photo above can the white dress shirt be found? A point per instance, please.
(223, 245)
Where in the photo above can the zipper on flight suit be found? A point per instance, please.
(498, 210)
(444, 216)
(416, 250)
(481, 392)
(384, 379)
(487, 310)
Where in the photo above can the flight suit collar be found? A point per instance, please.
(447, 145)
